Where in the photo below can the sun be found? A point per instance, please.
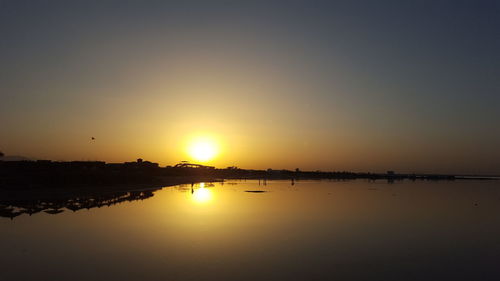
(203, 149)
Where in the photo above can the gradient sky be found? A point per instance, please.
(412, 86)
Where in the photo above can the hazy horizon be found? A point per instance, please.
(315, 85)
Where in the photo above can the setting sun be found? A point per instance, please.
(203, 149)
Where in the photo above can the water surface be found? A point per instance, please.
(243, 230)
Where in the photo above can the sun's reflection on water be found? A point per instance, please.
(202, 194)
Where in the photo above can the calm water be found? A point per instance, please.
(313, 230)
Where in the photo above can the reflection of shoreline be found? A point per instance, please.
(14, 203)
(14, 208)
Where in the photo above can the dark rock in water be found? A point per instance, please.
(255, 191)
(54, 211)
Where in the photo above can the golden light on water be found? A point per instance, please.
(202, 194)
(203, 149)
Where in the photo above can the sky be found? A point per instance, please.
(411, 86)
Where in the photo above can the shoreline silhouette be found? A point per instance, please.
(46, 174)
